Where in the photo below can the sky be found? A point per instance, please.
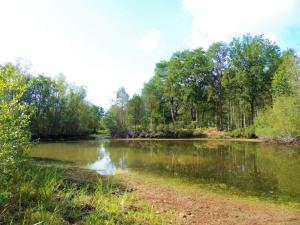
(106, 44)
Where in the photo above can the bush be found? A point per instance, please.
(248, 132)
(281, 122)
(14, 118)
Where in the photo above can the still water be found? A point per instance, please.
(251, 168)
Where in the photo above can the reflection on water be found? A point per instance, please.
(103, 165)
(254, 168)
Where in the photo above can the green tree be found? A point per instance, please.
(286, 78)
(281, 121)
(136, 110)
(122, 98)
(59, 109)
(172, 88)
(116, 117)
(153, 97)
(218, 54)
(255, 61)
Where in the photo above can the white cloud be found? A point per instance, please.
(150, 40)
(217, 20)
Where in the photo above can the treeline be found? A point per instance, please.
(57, 109)
(224, 87)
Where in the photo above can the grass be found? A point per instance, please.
(48, 194)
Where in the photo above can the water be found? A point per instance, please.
(251, 168)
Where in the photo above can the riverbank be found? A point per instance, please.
(48, 194)
(208, 132)
(191, 205)
(56, 193)
(59, 193)
(192, 139)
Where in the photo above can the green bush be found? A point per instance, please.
(236, 133)
(14, 118)
(248, 132)
(281, 122)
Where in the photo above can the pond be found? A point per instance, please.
(258, 169)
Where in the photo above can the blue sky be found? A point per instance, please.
(104, 45)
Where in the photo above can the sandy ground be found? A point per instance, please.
(191, 206)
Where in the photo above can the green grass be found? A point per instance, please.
(48, 194)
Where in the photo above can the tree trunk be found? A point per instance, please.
(221, 119)
(172, 110)
(244, 120)
(252, 104)
(197, 120)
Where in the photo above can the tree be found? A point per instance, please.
(281, 120)
(156, 108)
(116, 117)
(122, 98)
(59, 109)
(255, 60)
(136, 110)
(218, 54)
(286, 79)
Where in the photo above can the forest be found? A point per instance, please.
(249, 87)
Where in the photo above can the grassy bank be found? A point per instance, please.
(47, 194)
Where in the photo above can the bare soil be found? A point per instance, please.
(191, 206)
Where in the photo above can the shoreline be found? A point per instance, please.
(101, 137)
(190, 205)
(192, 139)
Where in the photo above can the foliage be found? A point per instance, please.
(60, 109)
(14, 118)
(281, 122)
(115, 122)
(218, 54)
(248, 132)
(286, 78)
(254, 61)
(136, 111)
(116, 116)
(224, 87)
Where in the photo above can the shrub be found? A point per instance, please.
(281, 122)
(248, 132)
(14, 138)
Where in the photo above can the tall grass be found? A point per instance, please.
(52, 195)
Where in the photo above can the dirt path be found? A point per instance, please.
(195, 207)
